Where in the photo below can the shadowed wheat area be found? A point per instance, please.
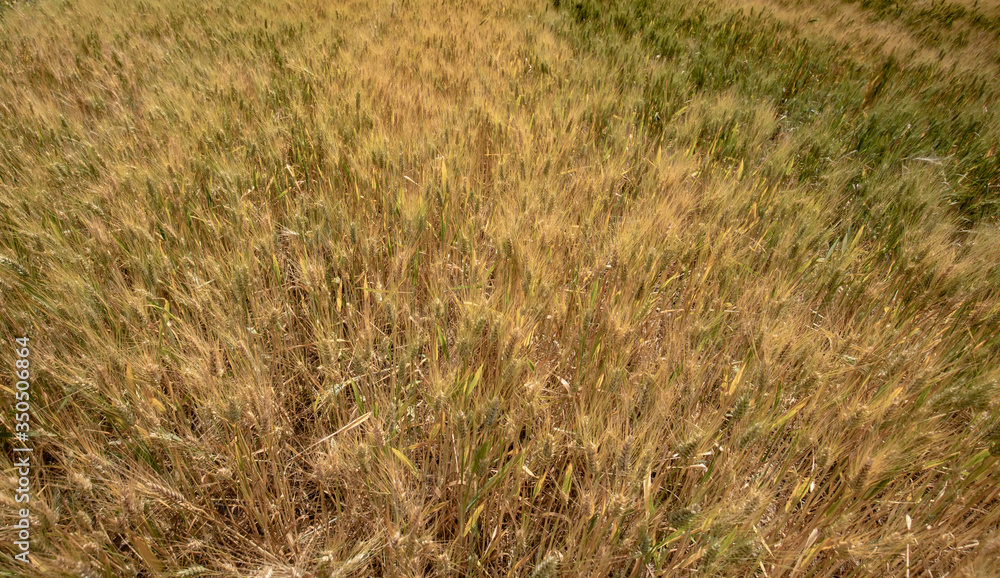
(593, 288)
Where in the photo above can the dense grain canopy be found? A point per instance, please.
(503, 288)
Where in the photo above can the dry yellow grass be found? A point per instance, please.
(502, 289)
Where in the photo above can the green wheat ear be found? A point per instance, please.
(547, 567)
(683, 517)
(859, 480)
(686, 449)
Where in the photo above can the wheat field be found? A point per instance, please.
(509, 288)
